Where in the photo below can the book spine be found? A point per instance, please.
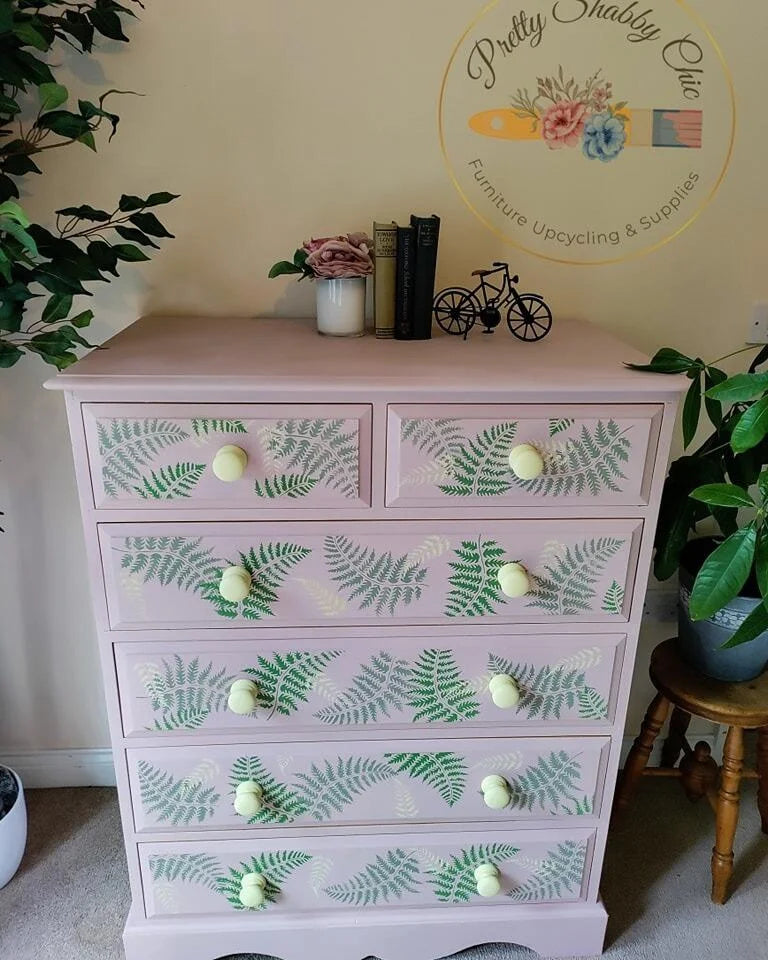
(385, 278)
(427, 238)
(405, 277)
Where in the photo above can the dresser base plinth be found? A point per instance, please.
(552, 930)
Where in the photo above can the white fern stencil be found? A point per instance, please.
(325, 687)
(329, 601)
(268, 458)
(207, 771)
(405, 805)
(480, 684)
(165, 895)
(431, 548)
(551, 551)
(529, 863)
(147, 672)
(583, 660)
(430, 474)
(284, 763)
(318, 876)
(132, 588)
(429, 861)
(501, 763)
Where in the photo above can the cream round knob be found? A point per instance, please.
(252, 890)
(249, 799)
(526, 462)
(229, 463)
(243, 697)
(505, 692)
(235, 584)
(514, 580)
(488, 880)
(496, 792)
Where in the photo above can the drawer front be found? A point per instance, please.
(169, 575)
(365, 783)
(332, 686)
(161, 457)
(442, 455)
(366, 872)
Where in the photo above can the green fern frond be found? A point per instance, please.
(275, 867)
(171, 483)
(441, 439)
(566, 588)
(204, 427)
(390, 876)
(481, 467)
(445, 772)
(182, 561)
(591, 464)
(475, 590)
(437, 691)
(545, 692)
(560, 426)
(125, 446)
(592, 706)
(581, 807)
(281, 803)
(372, 579)
(560, 874)
(174, 801)
(269, 565)
(380, 687)
(329, 788)
(198, 868)
(614, 599)
(288, 486)
(185, 695)
(285, 679)
(319, 448)
(548, 784)
(454, 881)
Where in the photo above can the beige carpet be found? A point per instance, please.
(71, 896)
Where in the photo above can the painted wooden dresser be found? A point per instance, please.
(368, 614)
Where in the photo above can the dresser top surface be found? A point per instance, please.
(181, 353)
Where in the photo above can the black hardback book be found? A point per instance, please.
(427, 237)
(406, 250)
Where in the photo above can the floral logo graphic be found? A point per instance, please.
(568, 113)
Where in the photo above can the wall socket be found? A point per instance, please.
(758, 324)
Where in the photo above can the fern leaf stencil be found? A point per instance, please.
(475, 590)
(582, 660)
(207, 427)
(429, 549)
(281, 804)
(500, 763)
(389, 877)
(592, 706)
(559, 876)
(125, 446)
(318, 448)
(332, 786)
(379, 689)
(552, 781)
(431, 474)
(285, 680)
(319, 873)
(405, 805)
(455, 882)
(441, 438)
(438, 693)
(171, 483)
(173, 801)
(560, 426)
(183, 693)
(276, 866)
(445, 772)
(546, 692)
(566, 587)
(195, 868)
(329, 602)
(181, 561)
(378, 581)
(481, 467)
(287, 486)
(613, 602)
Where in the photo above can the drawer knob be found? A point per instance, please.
(249, 799)
(488, 880)
(496, 792)
(514, 580)
(526, 462)
(243, 697)
(253, 890)
(235, 584)
(505, 691)
(229, 463)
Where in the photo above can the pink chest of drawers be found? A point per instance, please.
(368, 614)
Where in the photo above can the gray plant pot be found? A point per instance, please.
(701, 642)
(13, 835)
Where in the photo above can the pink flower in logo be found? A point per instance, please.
(563, 124)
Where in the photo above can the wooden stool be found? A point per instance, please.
(739, 706)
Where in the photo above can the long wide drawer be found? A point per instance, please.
(164, 457)
(365, 783)
(365, 872)
(440, 455)
(333, 685)
(171, 575)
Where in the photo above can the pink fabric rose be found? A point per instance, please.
(563, 124)
(335, 258)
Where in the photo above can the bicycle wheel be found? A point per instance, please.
(529, 318)
(456, 311)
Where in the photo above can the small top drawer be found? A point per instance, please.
(527, 456)
(175, 456)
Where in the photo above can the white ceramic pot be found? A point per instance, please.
(341, 307)
(13, 836)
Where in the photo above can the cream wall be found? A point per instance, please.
(276, 119)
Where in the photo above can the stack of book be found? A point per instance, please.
(406, 263)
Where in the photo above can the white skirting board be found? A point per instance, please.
(94, 768)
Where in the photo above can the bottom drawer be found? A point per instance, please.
(330, 873)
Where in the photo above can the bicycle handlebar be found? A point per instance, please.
(501, 264)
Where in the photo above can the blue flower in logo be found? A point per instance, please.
(604, 137)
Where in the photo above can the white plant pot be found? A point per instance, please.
(341, 307)
(13, 836)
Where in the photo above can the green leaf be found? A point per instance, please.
(148, 223)
(666, 360)
(12, 209)
(284, 268)
(82, 319)
(107, 23)
(103, 255)
(761, 562)
(9, 354)
(724, 574)
(692, 410)
(135, 236)
(751, 428)
(29, 36)
(129, 203)
(52, 95)
(755, 624)
(8, 106)
(157, 199)
(723, 495)
(739, 389)
(57, 307)
(90, 110)
(85, 212)
(129, 253)
(65, 124)
(712, 378)
(19, 233)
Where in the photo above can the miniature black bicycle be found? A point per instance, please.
(458, 309)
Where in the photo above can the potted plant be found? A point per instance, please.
(719, 491)
(340, 266)
(13, 824)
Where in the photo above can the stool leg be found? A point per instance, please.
(762, 769)
(727, 814)
(675, 742)
(641, 751)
